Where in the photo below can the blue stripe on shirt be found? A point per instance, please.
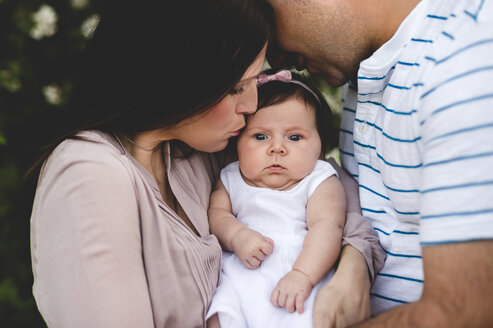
(365, 209)
(371, 78)
(364, 145)
(465, 213)
(421, 40)
(472, 45)
(388, 298)
(403, 255)
(400, 87)
(400, 190)
(384, 133)
(396, 231)
(469, 129)
(457, 103)
(415, 166)
(400, 277)
(345, 152)
(370, 167)
(436, 17)
(387, 109)
(476, 70)
(374, 192)
(448, 35)
(406, 213)
(476, 14)
(407, 63)
(464, 185)
(460, 158)
(346, 131)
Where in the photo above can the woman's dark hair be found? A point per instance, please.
(276, 92)
(152, 63)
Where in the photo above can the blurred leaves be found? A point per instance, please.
(41, 44)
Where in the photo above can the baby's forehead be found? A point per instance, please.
(292, 108)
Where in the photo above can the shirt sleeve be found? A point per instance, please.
(86, 245)
(359, 233)
(456, 120)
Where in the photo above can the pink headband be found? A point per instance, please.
(283, 76)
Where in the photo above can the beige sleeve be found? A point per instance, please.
(359, 233)
(86, 246)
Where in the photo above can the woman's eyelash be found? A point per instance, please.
(237, 91)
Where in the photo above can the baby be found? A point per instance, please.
(279, 209)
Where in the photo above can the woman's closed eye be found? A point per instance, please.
(237, 91)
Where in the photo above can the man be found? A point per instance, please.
(417, 134)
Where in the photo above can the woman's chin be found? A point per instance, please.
(213, 148)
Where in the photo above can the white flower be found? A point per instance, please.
(78, 4)
(88, 26)
(53, 94)
(44, 22)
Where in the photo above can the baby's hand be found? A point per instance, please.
(292, 291)
(251, 247)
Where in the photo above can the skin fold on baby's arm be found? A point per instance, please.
(249, 246)
(325, 216)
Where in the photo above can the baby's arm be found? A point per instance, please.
(250, 246)
(325, 217)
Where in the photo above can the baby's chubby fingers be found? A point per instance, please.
(268, 246)
(253, 263)
(300, 303)
(290, 302)
(274, 297)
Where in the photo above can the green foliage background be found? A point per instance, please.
(27, 65)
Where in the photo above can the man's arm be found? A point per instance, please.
(457, 291)
(345, 299)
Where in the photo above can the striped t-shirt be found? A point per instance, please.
(418, 137)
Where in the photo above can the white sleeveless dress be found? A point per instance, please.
(243, 297)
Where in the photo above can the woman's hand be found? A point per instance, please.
(345, 299)
(251, 247)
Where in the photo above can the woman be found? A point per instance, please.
(119, 228)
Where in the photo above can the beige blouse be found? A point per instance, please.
(106, 249)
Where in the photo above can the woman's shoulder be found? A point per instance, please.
(88, 145)
(88, 149)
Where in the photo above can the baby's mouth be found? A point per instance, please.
(276, 167)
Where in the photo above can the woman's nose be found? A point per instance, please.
(247, 104)
(247, 107)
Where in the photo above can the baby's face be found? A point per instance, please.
(279, 146)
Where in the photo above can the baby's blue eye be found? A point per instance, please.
(260, 136)
(295, 137)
